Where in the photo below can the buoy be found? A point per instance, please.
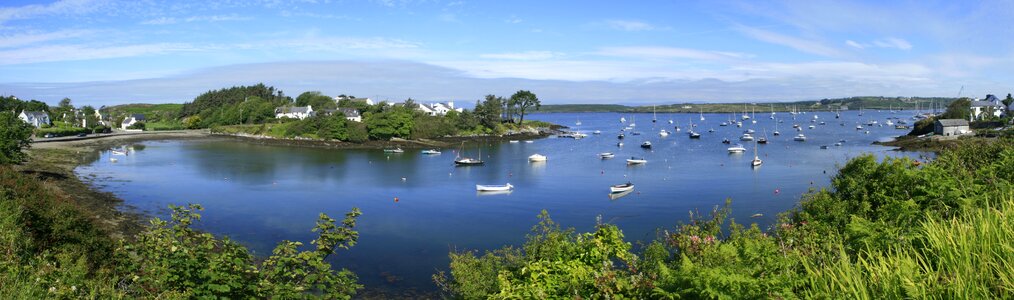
(777, 191)
(404, 179)
(395, 199)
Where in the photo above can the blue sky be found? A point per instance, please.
(104, 52)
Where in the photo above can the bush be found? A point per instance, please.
(17, 136)
(61, 131)
(101, 129)
(136, 125)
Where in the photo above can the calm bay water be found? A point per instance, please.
(260, 195)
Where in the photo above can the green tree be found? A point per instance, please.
(397, 122)
(959, 109)
(316, 100)
(15, 136)
(1007, 101)
(524, 100)
(489, 111)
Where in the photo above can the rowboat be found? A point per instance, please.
(619, 188)
(395, 150)
(636, 160)
(537, 158)
(493, 188)
(605, 155)
(431, 151)
(646, 145)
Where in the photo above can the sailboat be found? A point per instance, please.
(702, 114)
(772, 111)
(756, 159)
(467, 161)
(623, 120)
(763, 140)
(653, 115)
(753, 111)
(745, 116)
(776, 130)
(578, 122)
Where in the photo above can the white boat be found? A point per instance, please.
(537, 158)
(623, 120)
(431, 151)
(605, 155)
(493, 188)
(646, 145)
(119, 152)
(113, 159)
(800, 138)
(737, 148)
(756, 159)
(514, 141)
(467, 161)
(395, 150)
(859, 127)
(578, 123)
(694, 134)
(746, 137)
(811, 127)
(663, 133)
(702, 114)
(636, 160)
(597, 132)
(619, 188)
(529, 142)
(749, 131)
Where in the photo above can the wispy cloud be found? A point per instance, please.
(804, 45)
(86, 52)
(56, 8)
(513, 19)
(628, 25)
(669, 53)
(891, 42)
(527, 55)
(29, 38)
(212, 18)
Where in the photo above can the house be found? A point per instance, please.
(350, 114)
(131, 120)
(989, 107)
(951, 127)
(103, 117)
(438, 109)
(295, 112)
(36, 118)
(368, 101)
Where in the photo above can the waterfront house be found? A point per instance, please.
(36, 118)
(350, 114)
(102, 117)
(951, 127)
(437, 109)
(294, 112)
(131, 120)
(989, 107)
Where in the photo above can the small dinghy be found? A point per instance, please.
(606, 155)
(646, 145)
(619, 188)
(395, 150)
(493, 188)
(636, 160)
(537, 158)
(737, 148)
(431, 151)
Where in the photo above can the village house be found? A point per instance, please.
(989, 107)
(951, 127)
(294, 112)
(368, 101)
(103, 117)
(131, 120)
(350, 114)
(437, 109)
(36, 118)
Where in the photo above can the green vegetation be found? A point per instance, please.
(55, 249)
(60, 128)
(235, 105)
(884, 230)
(15, 137)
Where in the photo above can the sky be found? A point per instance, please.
(104, 52)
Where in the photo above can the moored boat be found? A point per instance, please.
(537, 158)
(619, 188)
(636, 160)
(431, 151)
(493, 188)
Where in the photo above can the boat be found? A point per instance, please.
(824, 147)
(529, 142)
(537, 158)
(702, 114)
(726, 141)
(737, 148)
(859, 127)
(799, 138)
(113, 159)
(811, 127)
(762, 140)
(395, 150)
(749, 131)
(514, 141)
(653, 115)
(663, 133)
(623, 120)
(837, 144)
(578, 123)
(620, 144)
(646, 145)
(619, 188)
(614, 196)
(606, 155)
(619, 136)
(597, 132)
(746, 137)
(711, 130)
(636, 160)
(115, 152)
(756, 159)
(723, 124)
(493, 188)
(694, 135)
(467, 161)
(431, 151)
(776, 130)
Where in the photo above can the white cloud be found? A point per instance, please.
(86, 52)
(513, 19)
(56, 8)
(891, 42)
(212, 18)
(627, 25)
(855, 44)
(527, 55)
(160, 21)
(669, 53)
(29, 38)
(804, 45)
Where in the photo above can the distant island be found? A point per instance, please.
(850, 103)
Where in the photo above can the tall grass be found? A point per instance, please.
(966, 257)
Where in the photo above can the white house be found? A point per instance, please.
(991, 106)
(102, 117)
(131, 120)
(951, 128)
(297, 112)
(350, 114)
(36, 118)
(438, 109)
(368, 101)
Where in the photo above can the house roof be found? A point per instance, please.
(292, 109)
(349, 112)
(952, 122)
(137, 117)
(359, 99)
(991, 98)
(36, 114)
(984, 104)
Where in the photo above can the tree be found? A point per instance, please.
(489, 111)
(15, 136)
(1007, 101)
(524, 100)
(959, 109)
(396, 122)
(316, 100)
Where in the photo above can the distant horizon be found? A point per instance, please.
(109, 52)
